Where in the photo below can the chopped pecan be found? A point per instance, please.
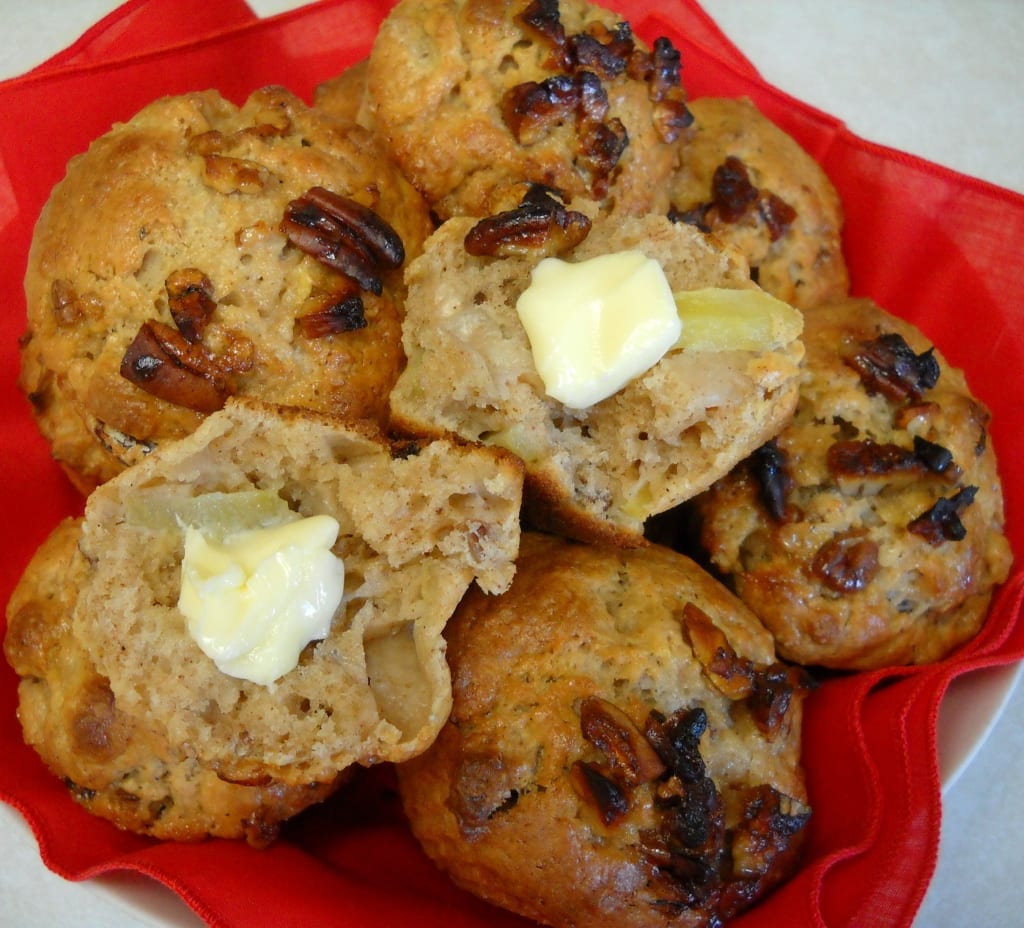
(234, 175)
(688, 847)
(345, 315)
(777, 214)
(734, 196)
(482, 788)
(772, 694)
(767, 829)
(68, 306)
(601, 147)
(671, 114)
(677, 741)
(937, 459)
(345, 235)
(632, 758)
(267, 130)
(847, 562)
(769, 467)
(942, 521)
(730, 674)
(191, 302)
(160, 361)
(532, 109)
(666, 68)
(541, 225)
(888, 365)
(696, 216)
(541, 19)
(207, 143)
(605, 59)
(731, 190)
(600, 790)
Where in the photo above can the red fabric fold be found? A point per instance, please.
(924, 242)
(145, 25)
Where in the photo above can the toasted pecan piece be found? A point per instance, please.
(541, 225)
(163, 363)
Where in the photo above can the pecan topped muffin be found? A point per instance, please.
(752, 185)
(201, 250)
(478, 97)
(623, 748)
(869, 532)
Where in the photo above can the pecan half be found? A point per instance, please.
(868, 466)
(160, 361)
(632, 758)
(191, 302)
(888, 365)
(541, 225)
(942, 521)
(345, 235)
(846, 563)
(730, 674)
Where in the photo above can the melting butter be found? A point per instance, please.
(595, 325)
(256, 598)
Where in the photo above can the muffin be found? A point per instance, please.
(623, 748)
(121, 767)
(600, 471)
(477, 97)
(870, 532)
(344, 95)
(268, 593)
(752, 185)
(201, 250)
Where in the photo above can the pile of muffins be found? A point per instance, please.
(583, 636)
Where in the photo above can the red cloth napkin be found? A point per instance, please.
(924, 242)
(143, 25)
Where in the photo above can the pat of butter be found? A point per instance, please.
(596, 325)
(254, 600)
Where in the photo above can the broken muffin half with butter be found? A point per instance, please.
(628, 362)
(254, 609)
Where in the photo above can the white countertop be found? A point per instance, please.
(939, 78)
